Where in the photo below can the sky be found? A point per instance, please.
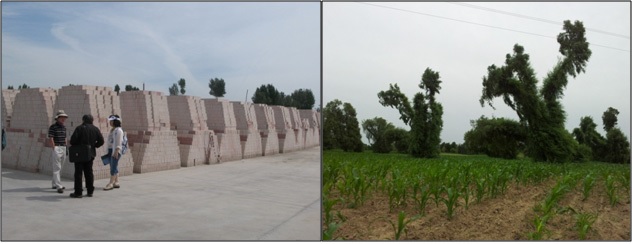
(367, 47)
(53, 44)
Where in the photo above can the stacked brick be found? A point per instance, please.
(299, 126)
(267, 131)
(188, 117)
(153, 145)
(221, 119)
(312, 129)
(26, 138)
(246, 124)
(100, 102)
(8, 99)
(285, 133)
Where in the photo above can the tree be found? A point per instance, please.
(24, 86)
(610, 118)
(117, 89)
(496, 137)
(216, 87)
(424, 116)
(10, 87)
(340, 127)
(399, 138)
(181, 83)
(131, 88)
(540, 111)
(375, 130)
(617, 147)
(173, 90)
(303, 98)
(268, 94)
(587, 135)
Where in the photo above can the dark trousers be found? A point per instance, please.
(84, 169)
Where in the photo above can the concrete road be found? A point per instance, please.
(266, 198)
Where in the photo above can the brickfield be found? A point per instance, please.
(164, 132)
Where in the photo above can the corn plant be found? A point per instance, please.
(611, 190)
(539, 225)
(587, 184)
(481, 189)
(583, 224)
(450, 201)
(401, 225)
(421, 197)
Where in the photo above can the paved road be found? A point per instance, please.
(267, 198)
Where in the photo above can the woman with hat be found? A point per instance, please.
(57, 140)
(115, 140)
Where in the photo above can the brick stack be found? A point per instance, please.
(286, 134)
(267, 131)
(188, 117)
(221, 119)
(153, 145)
(26, 138)
(246, 124)
(8, 99)
(100, 102)
(299, 127)
(312, 128)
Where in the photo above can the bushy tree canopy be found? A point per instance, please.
(340, 127)
(375, 130)
(217, 87)
(496, 137)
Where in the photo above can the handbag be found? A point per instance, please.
(79, 153)
(106, 159)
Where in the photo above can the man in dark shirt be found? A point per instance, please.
(86, 134)
(57, 140)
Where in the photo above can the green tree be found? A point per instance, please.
(587, 135)
(496, 137)
(181, 83)
(131, 88)
(399, 138)
(610, 118)
(216, 87)
(540, 111)
(117, 88)
(173, 90)
(303, 98)
(10, 87)
(268, 94)
(340, 127)
(375, 131)
(24, 86)
(424, 116)
(617, 147)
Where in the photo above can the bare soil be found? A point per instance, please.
(506, 217)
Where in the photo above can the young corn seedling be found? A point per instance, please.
(539, 225)
(481, 189)
(611, 190)
(401, 226)
(450, 201)
(587, 184)
(583, 224)
(421, 197)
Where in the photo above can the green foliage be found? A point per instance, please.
(617, 147)
(302, 99)
(23, 86)
(217, 87)
(340, 127)
(117, 88)
(583, 224)
(401, 224)
(375, 131)
(399, 138)
(10, 87)
(588, 182)
(610, 118)
(496, 137)
(181, 84)
(268, 94)
(588, 137)
(131, 88)
(424, 115)
(173, 90)
(540, 111)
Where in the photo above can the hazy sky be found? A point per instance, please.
(366, 47)
(246, 44)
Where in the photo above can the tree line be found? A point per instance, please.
(538, 134)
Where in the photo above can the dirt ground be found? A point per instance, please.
(506, 217)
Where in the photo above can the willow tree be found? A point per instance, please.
(424, 116)
(540, 111)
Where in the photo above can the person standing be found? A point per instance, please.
(115, 144)
(57, 140)
(86, 134)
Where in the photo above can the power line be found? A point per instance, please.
(479, 24)
(535, 18)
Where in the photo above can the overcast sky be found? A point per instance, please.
(247, 44)
(366, 47)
